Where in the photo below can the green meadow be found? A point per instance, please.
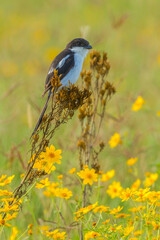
(32, 33)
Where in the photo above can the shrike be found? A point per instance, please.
(69, 65)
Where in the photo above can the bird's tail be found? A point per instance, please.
(42, 114)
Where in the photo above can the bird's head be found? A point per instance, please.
(79, 45)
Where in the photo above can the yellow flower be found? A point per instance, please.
(51, 155)
(72, 171)
(85, 166)
(64, 193)
(115, 228)
(30, 229)
(131, 161)
(94, 224)
(14, 233)
(106, 222)
(7, 207)
(142, 194)
(114, 190)
(6, 181)
(116, 210)
(85, 210)
(47, 193)
(60, 177)
(46, 159)
(128, 230)
(119, 227)
(10, 216)
(137, 209)
(126, 194)
(136, 185)
(5, 193)
(42, 165)
(22, 175)
(150, 179)
(43, 183)
(7, 199)
(30, 232)
(122, 215)
(115, 140)
(154, 197)
(91, 234)
(138, 104)
(155, 225)
(52, 185)
(101, 209)
(108, 175)
(2, 177)
(51, 190)
(44, 228)
(3, 222)
(138, 233)
(88, 175)
(55, 234)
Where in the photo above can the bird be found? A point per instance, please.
(69, 64)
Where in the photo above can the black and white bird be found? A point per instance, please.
(69, 65)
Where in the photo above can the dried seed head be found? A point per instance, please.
(72, 98)
(99, 63)
(87, 79)
(110, 88)
(35, 137)
(56, 80)
(102, 92)
(86, 130)
(82, 113)
(81, 144)
(94, 224)
(44, 118)
(96, 166)
(101, 145)
(83, 73)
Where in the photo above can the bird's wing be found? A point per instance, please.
(63, 62)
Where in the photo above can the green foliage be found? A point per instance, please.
(31, 35)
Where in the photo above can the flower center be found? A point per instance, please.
(89, 175)
(3, 222)
(114, 190)
(52, 155)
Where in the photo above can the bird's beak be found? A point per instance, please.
(89, 47)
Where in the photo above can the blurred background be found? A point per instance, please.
(32, 33)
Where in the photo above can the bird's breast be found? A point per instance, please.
(74, 73)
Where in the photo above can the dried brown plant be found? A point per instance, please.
(64, 103)
(91, 114)
(91, 101)
(63, 106)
